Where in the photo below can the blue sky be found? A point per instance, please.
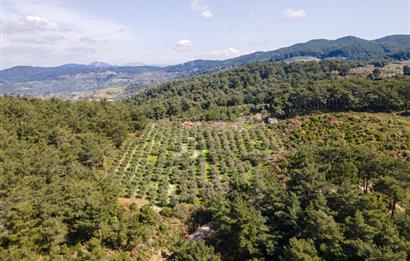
(53, 32)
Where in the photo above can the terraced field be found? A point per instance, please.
(184, 162)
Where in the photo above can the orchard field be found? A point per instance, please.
(185, 161)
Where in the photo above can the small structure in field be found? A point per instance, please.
(272, 120)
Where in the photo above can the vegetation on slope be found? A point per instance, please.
(171, 163)
(56, 199)
(281, 89)
(383, 133)
(329, 186)
(393, 47)
(92, 180)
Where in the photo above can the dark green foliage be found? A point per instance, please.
(195, 251)
(57, 198)
(331, 186)
(376, 74)
(406, 70)
(282, 89)
(317, 216)
(301, 250)
(321, 187)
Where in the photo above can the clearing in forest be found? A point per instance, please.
(171, 162)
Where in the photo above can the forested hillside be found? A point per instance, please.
(393, 47)
(280, 89)
(268, 161)
(57, 201)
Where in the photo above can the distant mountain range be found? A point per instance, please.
(394, 47)
(70, 78)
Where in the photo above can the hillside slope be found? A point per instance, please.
(318, 180)
(282, 90)
(79, 183)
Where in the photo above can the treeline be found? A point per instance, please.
(281, 89)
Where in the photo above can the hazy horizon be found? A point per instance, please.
(170, 64)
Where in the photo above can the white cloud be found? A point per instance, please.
(207, 14)
(224, 54)
(42, 22)
(184, 44)
(15, 24)
(201, 7)
(294, 15)
(31, 24)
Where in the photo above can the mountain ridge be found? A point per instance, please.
(96, 75)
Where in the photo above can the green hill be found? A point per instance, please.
(280, 89)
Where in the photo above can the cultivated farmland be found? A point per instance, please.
(184, 162)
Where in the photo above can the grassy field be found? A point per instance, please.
(389, 70)
(109, 93)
